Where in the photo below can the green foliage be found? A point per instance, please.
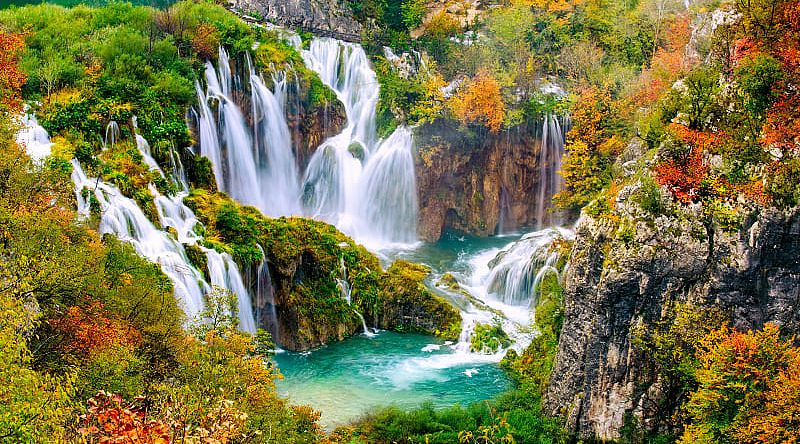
(413, 12)
(489, 338)
(671, 343)
(758, 76)
(221, 313)
(784, 183)
(517, 413)
(650, 197)
(397, 97)
(34, 406)
(534, 365)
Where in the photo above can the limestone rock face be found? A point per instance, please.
(613, 285)
(322, 17)
(476, 182)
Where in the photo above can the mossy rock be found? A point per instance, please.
(408, 304)
(198, 258)
(357, 150)
(488, 338)
(305, 258)
(449, 281)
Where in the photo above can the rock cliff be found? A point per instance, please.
(322, 17)
(476, 182)
(625, 269)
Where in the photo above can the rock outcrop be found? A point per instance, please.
(625, 269)
(406, 304)
(477, 183)
(322, 17)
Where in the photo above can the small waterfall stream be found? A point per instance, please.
(346, 291)
(550, 181)
(34, 138)
(517, 271)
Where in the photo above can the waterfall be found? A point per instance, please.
(112, 135)
(144, 148)
(388, 209)
(224, 273)
(550, 182)
(265, 296)
(278, 172)
(346, 291)
(255, 164)
(34, 138)
(367, 189)
(237, 173)
(123, 218)
(517, 271)
(344, 67)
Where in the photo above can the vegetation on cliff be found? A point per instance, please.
(307, 258)
(83, 314)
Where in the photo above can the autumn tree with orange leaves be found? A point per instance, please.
(749, 389)
(480, 101)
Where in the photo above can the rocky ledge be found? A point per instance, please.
(626, 269)
(322, 17)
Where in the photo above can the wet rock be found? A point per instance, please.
(475, 182)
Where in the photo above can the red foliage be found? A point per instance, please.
(782, 129)
(109, 421)
(11, 77)
(686, 175)
(667, 64)
(90, 328)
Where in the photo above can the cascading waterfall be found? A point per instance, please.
(225, 274)
(255, 165)
(222, 269)
(550, 181)
(278, 172)
(123, 218)
(517, 271)
(366, 189)
(237, 173)
(388, 210)
(34, 138)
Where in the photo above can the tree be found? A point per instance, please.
(480, 101)
(749, 389)
(592, 142)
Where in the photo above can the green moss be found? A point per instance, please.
(489, 338)
(449, 281)
(534, 365)
(198, 258)
(402, 287)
